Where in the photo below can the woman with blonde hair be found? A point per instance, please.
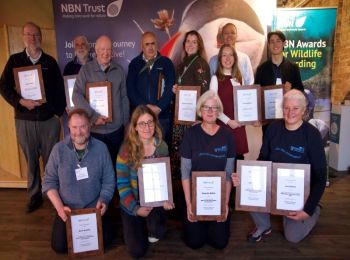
(144, 141)
(207, 147)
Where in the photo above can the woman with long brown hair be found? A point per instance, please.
(144, 141)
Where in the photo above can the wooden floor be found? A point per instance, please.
(27, 236)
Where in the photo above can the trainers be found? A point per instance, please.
(153, 239)
(255, 237)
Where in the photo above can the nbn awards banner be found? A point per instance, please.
(310, 39)
(125, 20)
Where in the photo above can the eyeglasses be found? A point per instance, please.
(207, 108)
(143, 124)
(31, 35)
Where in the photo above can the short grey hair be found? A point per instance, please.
(85, 40)
(296, 95)
(210, 94)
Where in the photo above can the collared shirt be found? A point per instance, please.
(147, 60)
(32, 59)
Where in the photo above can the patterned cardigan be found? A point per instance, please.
(127, 183)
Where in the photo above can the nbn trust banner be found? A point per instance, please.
(125, 20)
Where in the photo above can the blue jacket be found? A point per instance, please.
(142, 85)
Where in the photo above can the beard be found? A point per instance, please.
(80, 140)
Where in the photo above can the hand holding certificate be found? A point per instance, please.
(99, 96)
(254, 193)
(290, 187)
(29, 83)
(247, 104)
(272, 102)
(209, 195)
(84, 232)
(155, 182)
(185, 106)
(277, 188)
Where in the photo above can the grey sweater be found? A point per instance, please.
(92, 72)
(60, 174)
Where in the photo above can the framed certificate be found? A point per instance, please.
(84, 232)
(185, 105)
(160, 86)
(272, 98)
(155, 182)
(99, 96)
(254, 193)
(29, 82)
(208, 195)
(247, 103)
(69, 82)
(290, 187)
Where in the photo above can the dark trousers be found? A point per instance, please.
(137, 229)
(36, 139)
(215, 234)
(59, 235)
(166, 126)
(113, 142)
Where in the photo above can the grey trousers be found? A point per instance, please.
(294, 231)
(36, 139)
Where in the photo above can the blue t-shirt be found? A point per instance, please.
(207, 153)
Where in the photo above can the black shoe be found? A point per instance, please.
(34, 204)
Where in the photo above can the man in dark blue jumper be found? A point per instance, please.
(150, 80)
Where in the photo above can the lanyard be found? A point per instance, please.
(185, 69)
(80, 157)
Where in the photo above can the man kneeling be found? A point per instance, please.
(79, 174)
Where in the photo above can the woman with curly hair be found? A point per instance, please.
(144, 141)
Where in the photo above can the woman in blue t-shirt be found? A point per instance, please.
(293, 140)
(207, 147)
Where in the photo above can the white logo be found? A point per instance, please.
(114, 8)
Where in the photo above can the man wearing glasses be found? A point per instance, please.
(37, 123)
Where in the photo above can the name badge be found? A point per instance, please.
(278, 81)
(81, 173)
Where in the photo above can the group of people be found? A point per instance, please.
(98, 157)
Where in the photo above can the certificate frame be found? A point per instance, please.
(209, 174)
(141, 180)
(37, 67)
(288, 166)
(106, 84)
(263, 105)
(237, 89)
(70, 244)
(177, 103)
(66, 79)
(256, 208)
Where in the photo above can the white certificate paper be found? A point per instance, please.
(98, 99)
(290, 189)
(187, 105)
(30, 84)
(208, 196)
(247, 105)
(273, 103)
(253, 185)
(84, 233)
(155, 182)
(71, 83)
